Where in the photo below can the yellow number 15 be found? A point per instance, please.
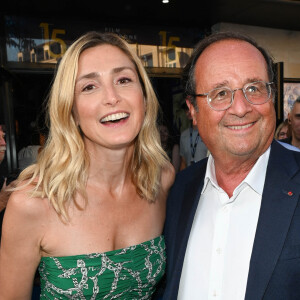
(54, 39)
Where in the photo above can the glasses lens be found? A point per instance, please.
(220, 98)
(257, 92)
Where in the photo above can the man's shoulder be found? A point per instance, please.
(192, 172)
(187, 184)
(284, 159)
(283, 148)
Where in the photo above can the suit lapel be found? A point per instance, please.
(279, 201)
(192, 195)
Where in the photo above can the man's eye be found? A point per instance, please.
(221, 94)
(252, 89)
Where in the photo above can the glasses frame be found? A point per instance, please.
(268, 84)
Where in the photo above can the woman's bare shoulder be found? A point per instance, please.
(167, 176)
(24, 225)
(23, 203)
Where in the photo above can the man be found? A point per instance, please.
(233, 220)
(294, 121)
(192, 148)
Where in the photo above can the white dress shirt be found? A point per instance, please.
(217, 258)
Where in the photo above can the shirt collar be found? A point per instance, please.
(255, 178)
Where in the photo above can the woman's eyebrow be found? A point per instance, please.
(94, 75)
(120, 69)
(91, 75)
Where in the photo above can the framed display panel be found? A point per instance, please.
(278, 81)
(291, 91)
(39, 42)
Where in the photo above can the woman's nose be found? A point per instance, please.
(111, 95)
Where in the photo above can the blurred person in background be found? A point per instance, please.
(282, 130)
(192, 147)
(2, 153)
(294, 123)
(170, 146)
(5, 177)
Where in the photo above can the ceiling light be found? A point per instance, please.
(165, 1)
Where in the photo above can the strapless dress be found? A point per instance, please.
(128, 273)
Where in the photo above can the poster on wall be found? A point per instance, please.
(291, 91)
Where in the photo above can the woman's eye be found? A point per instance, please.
(124, 80)
(88, 88)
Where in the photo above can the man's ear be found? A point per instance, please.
(289, 118)
(192, 111)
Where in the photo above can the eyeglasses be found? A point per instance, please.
(282, 134)
(257, 92)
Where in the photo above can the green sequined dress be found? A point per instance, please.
(129, 273)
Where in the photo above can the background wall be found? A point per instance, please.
(283, 45)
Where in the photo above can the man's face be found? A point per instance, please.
(2, 144)
(294, 120)
(243, 131)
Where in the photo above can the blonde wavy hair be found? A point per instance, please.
(62, 167)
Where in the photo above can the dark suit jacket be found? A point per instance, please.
(287, 140)
(274, 272)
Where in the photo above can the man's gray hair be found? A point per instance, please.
(296, 101)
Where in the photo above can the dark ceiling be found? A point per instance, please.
(282, 14)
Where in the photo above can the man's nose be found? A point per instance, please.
(240, 105)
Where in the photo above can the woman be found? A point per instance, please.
(90, 213)
(282, 131)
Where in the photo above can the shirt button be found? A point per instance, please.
(219, 251)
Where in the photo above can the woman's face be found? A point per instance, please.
(109, 102)
(283, 133)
